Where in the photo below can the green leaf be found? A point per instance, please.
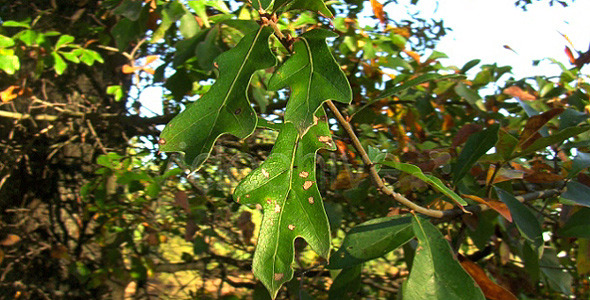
(59, 64)
(188, 25)
(470, 64)
(170, 14)
(506, 144)
(371, 240)
(433, 181)
(64, 40)
(261, 4)
(285, 187)
(578, 225)
(347, 284)
(476, 146)
(116, 91)
(556, 275)
(207, 50)
(6, 42)
(436, 273)
(414, 82)
(9, 63)
(225, 107)
(29, 37)
(124, 32)
(581, 162)
(578, 193)
(314, 76)
(526, 222)
(12, 23)
(317, 6)
(470, 95)
(131, 9)
(559, 137)
(71, 56)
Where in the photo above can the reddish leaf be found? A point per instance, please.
(530, 132)
(496, 205)
(464, 133)
(489, 288)
(570, 55)
(542, 177)
(519, 93)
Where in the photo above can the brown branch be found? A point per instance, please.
(377, 180)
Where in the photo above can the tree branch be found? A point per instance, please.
(377, 180)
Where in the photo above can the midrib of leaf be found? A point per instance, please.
(233, 83)
(278, 227)
(231, 87)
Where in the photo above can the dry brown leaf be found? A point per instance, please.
(412, 54)
(543, 177)
(519, 93)
(490, 289)
(9, 94)
(496, 205)
(570, 55)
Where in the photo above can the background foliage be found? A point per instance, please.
(462, 179)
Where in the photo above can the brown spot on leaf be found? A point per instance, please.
(307, 184)
(279, 276)
(268, 200)
(265, 173)
(310, 199)
(291, 227)
(303, 174)
(161, 142)
(277, 208)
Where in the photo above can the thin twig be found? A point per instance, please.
(379, 183)
(100, 145)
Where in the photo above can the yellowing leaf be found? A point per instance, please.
(150, 59)
(127, 69)
(8, 94)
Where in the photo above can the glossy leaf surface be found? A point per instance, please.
(225, 108)
(371, 240)
(436, 273)
(285, 187)
(313, 76)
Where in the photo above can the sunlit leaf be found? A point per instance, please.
(317, 6)
(496, 205)
(431, 180)
(285, 187)
(225, 108)
(313, 76)
(436, 273)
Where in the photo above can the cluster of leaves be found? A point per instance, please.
(502, 161)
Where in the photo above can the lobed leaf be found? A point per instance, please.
(314, 77)
(284, 186)
(225, 108)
